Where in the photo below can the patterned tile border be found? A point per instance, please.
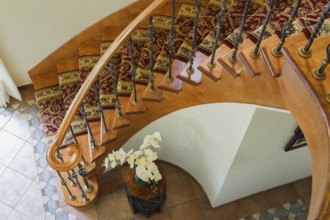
(291, 211)
(46, 175)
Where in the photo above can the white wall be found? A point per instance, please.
(31, 29)
(261, 162)
(232, 150)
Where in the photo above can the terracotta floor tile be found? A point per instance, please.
(189, 210)
(307, 201)
(303, 187)
(163, 215)
(179, 189)
(111, 180)
(252, 204)
(227, 211)
(282, 194)
(114, 204)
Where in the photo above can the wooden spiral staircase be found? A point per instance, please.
(267, 78)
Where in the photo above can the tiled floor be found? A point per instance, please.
(28, 187)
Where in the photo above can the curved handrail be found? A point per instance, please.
(84, 89)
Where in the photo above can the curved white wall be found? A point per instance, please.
(32, 29)
(212, 142)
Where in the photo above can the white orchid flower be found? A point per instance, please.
(157, 136)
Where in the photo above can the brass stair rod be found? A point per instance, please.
(306, 51)
(220, 18)
(132, 70)
(190, 69)
(151, 38)
(286, 30)
(238, 38)
(255, 54)
(112, 72)
(171, 44)
(99, 109)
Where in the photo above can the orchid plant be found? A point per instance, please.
(141, 160)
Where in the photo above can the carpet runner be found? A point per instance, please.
(231, 22)
(70, 84)
(86, 64)
(183, 24)
(162, 26)
(309, 11)
(207, 22)
(106, 89)
(139, 37)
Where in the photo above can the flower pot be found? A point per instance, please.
(140, 182)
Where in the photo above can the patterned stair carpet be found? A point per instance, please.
(235, 10)
(289, 211)
(139, 37)
(183, 24)
(86, 64)
(106, 88)
(161, 29)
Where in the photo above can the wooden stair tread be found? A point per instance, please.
(275, 64)
(157, 95)
(196, 77)
(176, 84)
(214, 73)
(251, 64)
(139, 107)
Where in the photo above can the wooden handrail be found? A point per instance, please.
(84, 89)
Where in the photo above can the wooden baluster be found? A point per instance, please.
(106, 134)
(89, 131)
(83, 193)
(64, 183)
(170, 82)
(76, 142)
(151, 38)
(119, 120)
(100, 110)
(273, 54)
(230, 61)
(319, 73)
(82, 172)
(171, 44)
(250, 57)
(286, 30)
(238, 37)
(255, 54)
(306, 50)
(220, 18)
(133, 106)
(60, 157)
(152, 93)
(190, 73)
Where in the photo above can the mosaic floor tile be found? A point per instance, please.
(294, 210)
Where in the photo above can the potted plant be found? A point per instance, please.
(142, 160)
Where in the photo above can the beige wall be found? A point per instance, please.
(31, 29)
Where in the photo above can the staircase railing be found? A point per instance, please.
(83, 91)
